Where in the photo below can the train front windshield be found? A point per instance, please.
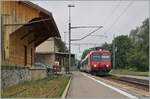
(96, 57)
(105, 57)
(101, 57)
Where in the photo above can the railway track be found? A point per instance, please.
(139, 87)
(134, 82)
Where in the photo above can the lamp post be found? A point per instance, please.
(70, 35)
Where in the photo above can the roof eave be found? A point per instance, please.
(28, 3)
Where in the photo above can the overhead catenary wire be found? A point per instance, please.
(76, 44)
(117, 19)
(87, 34)
(94, 26)
(85, 27)
(97, 27)
(112, 12)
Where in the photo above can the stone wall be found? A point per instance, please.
(38, 73)
(11, 75)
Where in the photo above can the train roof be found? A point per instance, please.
(99, 51)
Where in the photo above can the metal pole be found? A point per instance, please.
(69, 39)
(70, 35)
(114, 51)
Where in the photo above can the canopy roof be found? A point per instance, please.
(39, 28)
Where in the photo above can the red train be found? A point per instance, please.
(97, 62)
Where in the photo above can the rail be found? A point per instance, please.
(140, 82)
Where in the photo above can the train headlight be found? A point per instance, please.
(107, 65)
(94, 65)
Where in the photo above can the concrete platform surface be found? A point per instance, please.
(85, 87)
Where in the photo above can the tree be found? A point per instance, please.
(85, 52)
(123, 45)
(137, 60)
(138, 57)
(107, 46)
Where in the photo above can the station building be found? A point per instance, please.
(24, 26)
(56, 52)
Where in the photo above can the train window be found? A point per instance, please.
(96, 57)
(105, 57)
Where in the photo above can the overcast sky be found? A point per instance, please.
(116, 17)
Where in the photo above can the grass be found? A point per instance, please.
(129, 72)
(51, 87)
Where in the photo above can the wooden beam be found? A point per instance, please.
(40, 41)
(48, 27)
(41, 34)
(48, 35)
(30, 31)
(25, 35)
